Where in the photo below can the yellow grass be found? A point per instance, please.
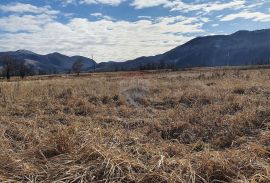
(192, 126)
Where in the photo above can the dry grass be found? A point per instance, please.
(193, 126)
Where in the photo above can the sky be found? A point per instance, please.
(120, 30)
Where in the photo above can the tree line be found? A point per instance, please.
(14, 67)
(10, 67)
(158, 66)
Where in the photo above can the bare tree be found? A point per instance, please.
(41, 72)
(94, 66)
(14, 67)
(9, 66)
(162, 65)
(77, 66)
(22, 69)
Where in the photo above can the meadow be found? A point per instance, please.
(195, 126)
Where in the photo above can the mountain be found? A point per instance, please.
(50, 63)
(240, 48)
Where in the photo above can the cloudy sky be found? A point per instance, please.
(118, 30)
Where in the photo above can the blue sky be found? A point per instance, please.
(119, 30)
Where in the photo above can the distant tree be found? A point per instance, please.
(41, 72)
(172, 66)
(142, 67)
(154, 66)
(30, 70)
(189, 66)
(77, 66)
(15, 67)
(23, 69)
(94, 66)
(9, 66)
(148, 66)
(68, 71)
(54, 71)
(162, 65)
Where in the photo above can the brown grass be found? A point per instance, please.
(193, 126)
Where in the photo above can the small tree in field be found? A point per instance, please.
(9, 66)
(77, 66)
(22, 69)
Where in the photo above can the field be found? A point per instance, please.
(194, 126)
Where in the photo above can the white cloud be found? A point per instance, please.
(179, 5)
(207, 7)
(144, 17)
(107, 2)
(106, 39)
(96, 14)
(215, 25)
(38, 29)
(28, 23)
(255, 16)
(139, 4)
(200, 6)
(101, 16)
(212, 6)
(68, 1)
(27, 8)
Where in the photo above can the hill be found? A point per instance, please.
(237, 49)
(50, 63)
(240, 48)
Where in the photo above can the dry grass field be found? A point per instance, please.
(187, 126)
